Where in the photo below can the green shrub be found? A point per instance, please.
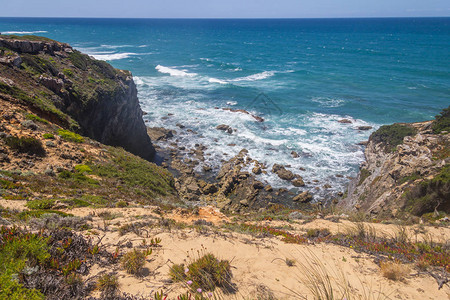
(442, 122)
(48, 136)
(29, 214)
(68, 72)
(25, 145)
(207, 273)
(18, 251)
(133, 261)
(364, 173)
(70, 136)
(40, 204)
(108, 284)
(121, 204)
(36, 118)
(392, 135)
(83, 169)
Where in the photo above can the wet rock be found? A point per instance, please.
(327, 186)
(225, 128)
(294, 154)
(258, 185)
(181, 126)
(268, 188)
(345, 121)
(206, 168)
(282, 172)
(298, 182)
(159, 133)
(256, 170)
(303, 197)
(364, 127)
(363, 143)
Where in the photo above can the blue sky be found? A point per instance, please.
(224, 8)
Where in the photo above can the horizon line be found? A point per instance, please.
(229, 18)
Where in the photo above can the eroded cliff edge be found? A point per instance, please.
(74, 90)
(406, 171)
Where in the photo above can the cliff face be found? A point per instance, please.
(74, 90)
(411, 177)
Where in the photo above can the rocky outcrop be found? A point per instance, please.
(412, 177)
(75, 91)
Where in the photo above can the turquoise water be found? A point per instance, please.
(314, 71)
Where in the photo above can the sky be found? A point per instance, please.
(224, 8)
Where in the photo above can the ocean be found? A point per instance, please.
(301, 75)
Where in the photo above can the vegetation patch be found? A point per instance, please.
(442, 122)
(40, 204)
(430, 195)
(392, 135)
(363, 174)
(36, 118)
(70, 136)
(133, 261)
(142, 177)
(205, 273)
(48, 136)
(28, 145)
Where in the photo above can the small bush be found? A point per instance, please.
(393, 271)
(442, 122)
(25, 145)
(70, 136)
(108, 284)
(36, 118)
(207, 273)
(121, 204)
(392, 135)
(83, 169)
(133, 262)
(364, 173)
(40, 204)
(68, 72)
(48, 136)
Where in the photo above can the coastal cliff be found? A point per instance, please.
(74, 91)
(406, 171)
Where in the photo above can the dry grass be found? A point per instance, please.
(393, 270)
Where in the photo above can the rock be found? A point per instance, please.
(4, 158)
(206, 168)
(282, 172)
(363, 143)
(50, 144)
(268, 188)
(296, 215)
(244, 202)
(60, 205)
(209, 189)
(225, 128)
(181, 126)
(53, 84)
(303, 197)
(294, 154)
(256, 170)
(345, 121)
(327, 186)
(160, 134)
(258, 185)
(29, 124)
(49, 172)
(298, 182)
(364, 127)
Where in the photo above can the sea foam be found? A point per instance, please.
(174, 72)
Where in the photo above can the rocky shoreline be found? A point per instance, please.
(234, 186)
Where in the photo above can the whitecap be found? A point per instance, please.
(328, 102)
(215, 80)
(174, 72)
(254, 77)
(112, 56)
(24, 32)
(232, 103)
